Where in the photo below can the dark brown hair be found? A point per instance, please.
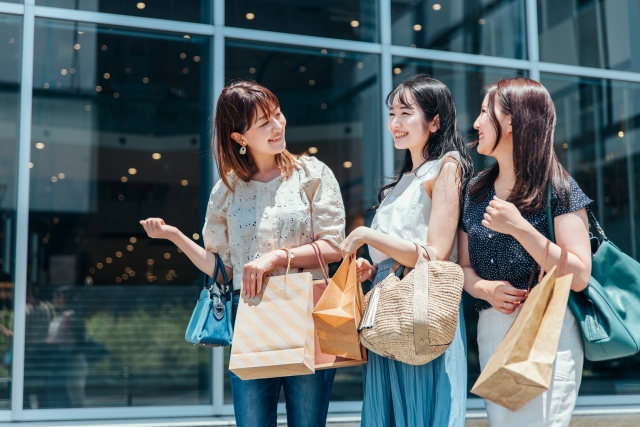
(533, 122)
(237, 109)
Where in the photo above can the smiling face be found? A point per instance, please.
(266, 134)
(487, 133)
(408, 125)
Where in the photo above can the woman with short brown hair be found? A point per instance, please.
(504, 234)
(268, 206)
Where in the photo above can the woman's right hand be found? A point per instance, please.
(365, 270)
(157, 229)
(503, 296)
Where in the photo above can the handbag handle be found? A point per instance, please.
(323, 264)
(225, 288)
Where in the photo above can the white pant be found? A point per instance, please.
(554, 407)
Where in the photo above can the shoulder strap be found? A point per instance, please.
(564, 255)
(552, 235)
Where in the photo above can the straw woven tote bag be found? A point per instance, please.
(413, 319)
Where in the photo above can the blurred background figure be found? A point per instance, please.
(68, 361)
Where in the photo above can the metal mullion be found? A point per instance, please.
(460, 58)
(301, 40)
(12, 8)
(533, 48)
(218, 67)
(597, 73)
(631, 180)
(386, 78)
(124, 20)
(22, 211)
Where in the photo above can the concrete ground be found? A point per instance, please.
(632, 420)
(584, 421)
(608, 417)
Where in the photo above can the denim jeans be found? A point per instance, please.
(255, 402)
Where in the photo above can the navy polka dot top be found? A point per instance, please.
(496, 256)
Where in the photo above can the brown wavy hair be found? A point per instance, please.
(236, 111)
(533, 122)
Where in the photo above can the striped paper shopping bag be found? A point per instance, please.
(274, 333)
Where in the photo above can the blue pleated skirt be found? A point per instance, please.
(401, 395)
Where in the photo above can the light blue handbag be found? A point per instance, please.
(211, 324)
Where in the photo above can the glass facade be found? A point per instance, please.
(119, 110)
(189, 10)
(482, 27)
(10, 77)
(598, 142)
(117, 128)
(344, 19)
(591, 33)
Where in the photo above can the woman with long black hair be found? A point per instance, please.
(504, 236)
(421, 206)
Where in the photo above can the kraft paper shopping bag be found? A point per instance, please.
(520, 369)
(338, 312)
(328, 361)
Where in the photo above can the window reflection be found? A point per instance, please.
(597, 141)
(594, 33)
(10, 52)
(119, 127)
(189, 10)
(482, 27)
(467, 83)
(344, 19)
(332, 103)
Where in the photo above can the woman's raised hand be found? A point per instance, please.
(365, 270)
(157, 229)
(353, 241)
(503, 296)
(503, 217)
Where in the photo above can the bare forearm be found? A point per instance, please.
(534, 243)
(200, 257)
(305, 256)
(394, 247)
(473, 283)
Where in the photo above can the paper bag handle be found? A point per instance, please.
(562, 266)
(323, 264)
(288, 259)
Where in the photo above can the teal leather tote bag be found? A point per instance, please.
(608, 309)
(211, 324)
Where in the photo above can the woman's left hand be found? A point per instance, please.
(353, 241)
(253, 272)
(502, 216)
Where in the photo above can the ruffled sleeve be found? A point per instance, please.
(215, 232)
(323, 192)
(431, 169)
(577, 200)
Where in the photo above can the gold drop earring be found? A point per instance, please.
(243, 149)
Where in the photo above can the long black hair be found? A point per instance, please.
(433, 98)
